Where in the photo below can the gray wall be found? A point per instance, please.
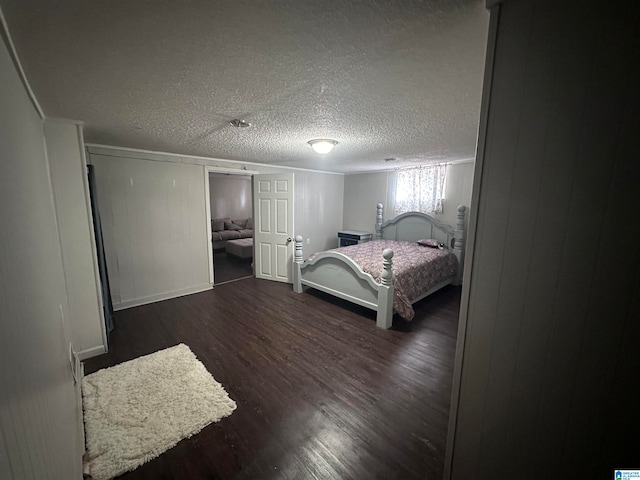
(364, 191)
(230, 196)
(155, 228)
(551, 302)
(318, 209)
(40, 415)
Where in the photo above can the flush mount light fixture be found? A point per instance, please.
(236, 122)
(322, 145)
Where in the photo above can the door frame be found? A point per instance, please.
(230, 171)
(470, 247)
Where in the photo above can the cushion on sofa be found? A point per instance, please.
(231, 226)
(241, 222)
(249, 224)
(217, 224)
(245, 233)
(229, 235)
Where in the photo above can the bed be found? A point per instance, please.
(373, 283)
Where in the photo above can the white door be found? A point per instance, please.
(273, 228)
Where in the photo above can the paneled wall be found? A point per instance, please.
(549, 382)
(156, 232)
(230, 196)
(364, 191)
(73, 210)
(318, 209)
(40, 416)
(155, 228)
(458, 188)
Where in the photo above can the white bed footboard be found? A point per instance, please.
(338, 275)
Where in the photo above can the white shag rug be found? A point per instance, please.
(139, 409)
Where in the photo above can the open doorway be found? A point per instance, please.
(231, 215)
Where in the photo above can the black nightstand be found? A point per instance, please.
(352, 237)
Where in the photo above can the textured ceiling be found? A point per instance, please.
(399, 79)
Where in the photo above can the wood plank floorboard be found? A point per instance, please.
(321, 392)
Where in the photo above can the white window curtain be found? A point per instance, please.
(420, 189)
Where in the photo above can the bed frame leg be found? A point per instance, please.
(297, 262)
(384, 318)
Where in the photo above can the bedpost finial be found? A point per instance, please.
(386, 276)
(458, 243)
(460, 221)
(297, 252)
(461, 215)
(379, 221)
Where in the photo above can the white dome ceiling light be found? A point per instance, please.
(322, 145)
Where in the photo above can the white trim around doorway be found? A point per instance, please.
(229, 171)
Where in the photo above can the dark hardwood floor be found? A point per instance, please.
(321, 392)
(229, 267)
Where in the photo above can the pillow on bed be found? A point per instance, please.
(430, 242)
(231, 226)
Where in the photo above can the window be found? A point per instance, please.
(420, 189)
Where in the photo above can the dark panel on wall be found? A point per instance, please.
(546, 382)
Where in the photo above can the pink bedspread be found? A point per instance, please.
(416, 269)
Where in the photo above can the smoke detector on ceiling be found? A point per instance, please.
(236, 122)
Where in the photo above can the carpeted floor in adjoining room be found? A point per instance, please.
(320, 391)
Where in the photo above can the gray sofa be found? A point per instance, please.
(225, 229)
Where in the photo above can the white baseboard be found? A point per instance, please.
(91, 352)
(162, 296)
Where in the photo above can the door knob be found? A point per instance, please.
(289, 240)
